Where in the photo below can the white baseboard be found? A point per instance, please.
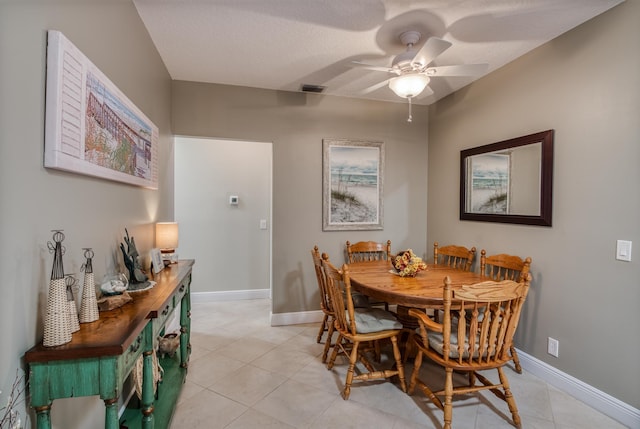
(297, 318)
(597, 399)
(230, 295)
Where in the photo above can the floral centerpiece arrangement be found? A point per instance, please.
(407, 264)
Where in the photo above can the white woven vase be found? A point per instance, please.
(56, 323)
(89, 305)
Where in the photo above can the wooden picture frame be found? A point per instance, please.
(353, 177)
(518, 175)
(157, 264)
(91, 127)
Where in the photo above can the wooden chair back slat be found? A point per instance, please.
(454, 256)
(325, 303)
(364, 251)
(503, 266)
(340, 293)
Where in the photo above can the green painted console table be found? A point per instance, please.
(102, 354)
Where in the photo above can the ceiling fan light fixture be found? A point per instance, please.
(409, 85)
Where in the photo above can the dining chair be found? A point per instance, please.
(356, 326)
(469, 340)
(454, 256)
(328, 318)
(505, 267)
(365, 251)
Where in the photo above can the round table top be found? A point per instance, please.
(378, 280)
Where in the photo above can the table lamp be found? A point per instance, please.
(167, 240)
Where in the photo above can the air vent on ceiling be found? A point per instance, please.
(313, 88)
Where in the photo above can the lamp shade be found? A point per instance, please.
(408, 85)
(167, 235)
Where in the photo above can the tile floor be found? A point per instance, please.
(244, 373)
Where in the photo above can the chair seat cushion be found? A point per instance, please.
(436, 342)
(369, 320)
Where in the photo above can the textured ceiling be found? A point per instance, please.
(282, 44)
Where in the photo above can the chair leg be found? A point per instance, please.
(400, 366)
(323, 327)
(448, 403)
(327, 344)
(334, 354)
(511, 402)
(353, 358)
(516, 359)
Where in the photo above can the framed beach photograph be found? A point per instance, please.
(92, 128)
(352, 182)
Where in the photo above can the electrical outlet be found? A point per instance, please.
(552, 346)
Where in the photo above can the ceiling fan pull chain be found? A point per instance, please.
(410, 119)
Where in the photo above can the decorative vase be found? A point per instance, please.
(89, 304)
(74, 326)
(56, 321)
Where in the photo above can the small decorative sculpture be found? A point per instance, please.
(130, 256)
(70, 281)
(56, 322)
(168, 344)
(89, 304)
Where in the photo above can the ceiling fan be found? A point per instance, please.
(411, 68)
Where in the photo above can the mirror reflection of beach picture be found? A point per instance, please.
(508, 181)
(352, 185)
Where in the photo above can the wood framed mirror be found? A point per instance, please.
(509, 181)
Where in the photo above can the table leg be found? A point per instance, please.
(148, 384)
(111, 414)
(185, 324)
(43, 417)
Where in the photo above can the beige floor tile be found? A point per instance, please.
(352, 415)
(296, 404)
(248, 384)
(246, 349)
(316, 374)
(253, 419)
(284, 360)
(189, 390)
(207, 410)
(210, 368)
(569, 412)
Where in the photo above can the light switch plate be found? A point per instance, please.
(623, 250)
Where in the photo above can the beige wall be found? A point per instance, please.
(586, 86)
(33, 200)
(226, 238)
(296, 123)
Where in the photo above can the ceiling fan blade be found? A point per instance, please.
(372, 67)
(457, 70)
(375, 87)
(433, 47)
(425, 93)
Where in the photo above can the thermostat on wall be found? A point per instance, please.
(233, 200)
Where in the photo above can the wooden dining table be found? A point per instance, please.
(378, 280)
